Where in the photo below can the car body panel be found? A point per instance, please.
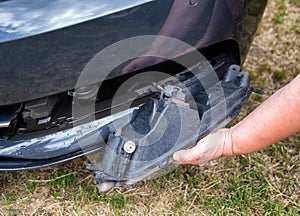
(20, 19)
(53, 56)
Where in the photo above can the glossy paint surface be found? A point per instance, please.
(44, 45)
(22, 18)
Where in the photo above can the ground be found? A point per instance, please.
(263, 183)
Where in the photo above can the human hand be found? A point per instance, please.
(213, 146)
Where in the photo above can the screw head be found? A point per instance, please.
(129, 147)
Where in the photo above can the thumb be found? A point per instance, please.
(189, 156)
(208, 148)
(180, 155)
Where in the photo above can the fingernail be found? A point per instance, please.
(176, 156)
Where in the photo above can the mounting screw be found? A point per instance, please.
(129, 147)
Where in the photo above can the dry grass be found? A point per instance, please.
(264, 183)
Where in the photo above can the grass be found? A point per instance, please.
(281, 11)
(263, 183)
(295, 2)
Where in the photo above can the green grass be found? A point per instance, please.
(281, 12)
(265, 67)
(279, 75)
(295, 2)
